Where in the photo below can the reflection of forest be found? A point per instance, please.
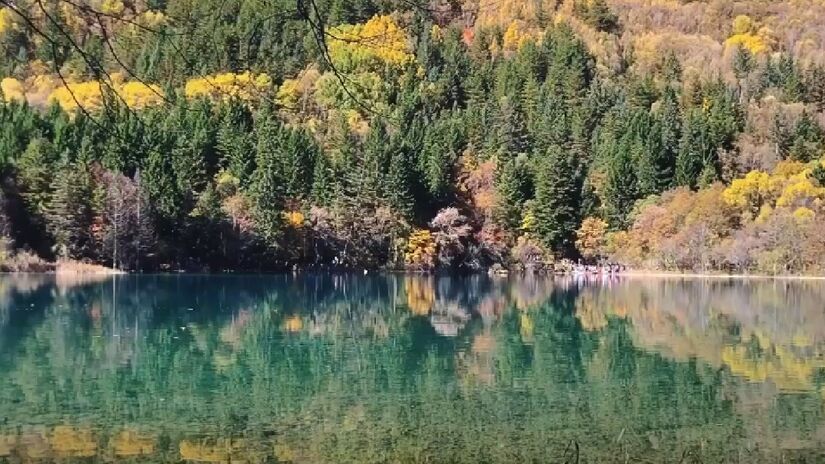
(408, 369)
(761, 330)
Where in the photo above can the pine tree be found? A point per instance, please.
(781, 136)
(513, 183)
(160, 182)
(298, 163)
(808, 139)
(439, 152)
(267, 189)
(69, 212)
(556, 206)
(815, 86)
(368, 172)
(234, 141)
(597, 14)
(323, 182)
(401, 180)
(743, 62)
(620, 190)
(36, 169)
(647, 153)
(692, 150)
(510, 133)
(790, 79)
(671, 133)
(671, 69)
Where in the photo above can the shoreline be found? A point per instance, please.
(69, 269)
(694, 275)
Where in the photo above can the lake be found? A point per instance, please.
(386, 369)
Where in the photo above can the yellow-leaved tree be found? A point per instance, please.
(6, 19)
(790, 186)
(747, 34)
(72, 96)
(245, 86)
(591, 238)
(139, 95)
(12, 89)
(89, 95)
(420, 250)
(369, 46)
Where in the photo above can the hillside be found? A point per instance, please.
(266, 134)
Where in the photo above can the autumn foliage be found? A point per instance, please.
(763, 222)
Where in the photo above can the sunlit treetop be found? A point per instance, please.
(743, 24)
(747, 34)
(245, 86)
(378, 42)
(5, 19)
(112, 6)
(293, 91)
(752, 42)
(517, 35)
(89, 95)
(790, 185)
(139, 95)
(12, 89)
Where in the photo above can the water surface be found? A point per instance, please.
(385, 369)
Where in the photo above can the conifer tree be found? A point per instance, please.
(234, 141)
(401, 180)
(556, 206)
(671, 133)
(69, 212)
(323, 182)
(692, 149)
(513, 182)
(620, 190)
(298, 163)
(35, 170)
(268, 187)
(742, 62)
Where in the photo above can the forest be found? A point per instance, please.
(223, 135)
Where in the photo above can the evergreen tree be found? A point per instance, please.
(234, 141)
(513, 182)
(401, 181)
(556, 206)
(300, 154)
(790, 79)
(620, 189)
(70, 214)
(441, 146)
(670, 128)
(323, 182)
(808, 140)
(652, 170)
(671, 69)
(693, 149)
(267, 188)
(815, 86)
(36, 171)
(367, 168)
(161, 185)
(742, 62)
(781, 136)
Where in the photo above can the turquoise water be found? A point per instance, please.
(386, 369)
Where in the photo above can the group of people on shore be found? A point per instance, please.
(596, 269)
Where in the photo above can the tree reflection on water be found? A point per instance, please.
(410, 369)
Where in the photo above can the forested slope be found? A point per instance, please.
(262, 134)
